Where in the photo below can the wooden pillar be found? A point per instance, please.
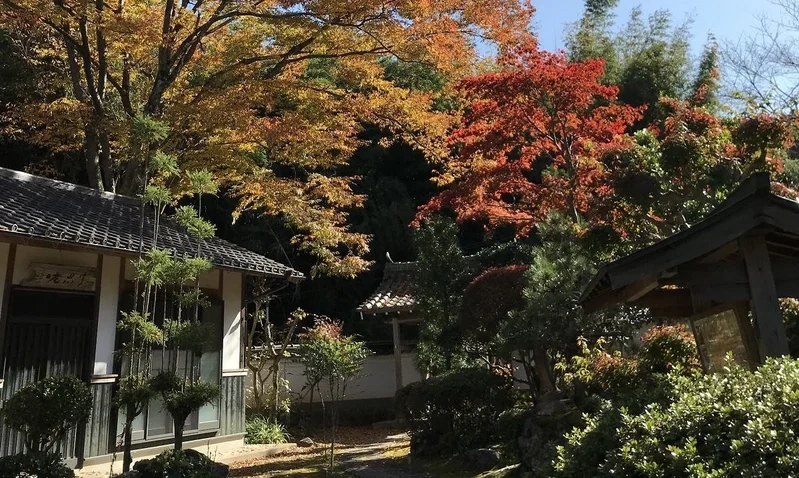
(6, 276)
(397, 351)
(765, 304)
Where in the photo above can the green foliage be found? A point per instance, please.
(455, 411)
(135, 390)
(202, 182)
(164, 164)
(738, 423)
(552, 317)
(39, 465)
(177, 464)
(151, 268)
(198, 227)
(156, 195)
(139, 333)
(147, 130)
(633, 381)
(183, 395)
(196, 337)
(706, 82)
(46, 410)
(440, 278)
(260, 430)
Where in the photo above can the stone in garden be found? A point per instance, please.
(305, 443)
(482, 459)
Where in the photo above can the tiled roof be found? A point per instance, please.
(395, 293)
(41, 208)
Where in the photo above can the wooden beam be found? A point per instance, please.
(747, 334)
(397, 351)
(690, 244)
(721, 253)
(629, 293)
(765, 305)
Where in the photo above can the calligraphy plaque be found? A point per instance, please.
(54, 276)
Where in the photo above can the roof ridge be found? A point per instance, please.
(22, 175)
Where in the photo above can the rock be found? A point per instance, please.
(547, 421)
(482, 459)
(305, 443)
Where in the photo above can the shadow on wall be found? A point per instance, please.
(369, 398)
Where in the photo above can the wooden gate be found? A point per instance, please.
(48, 334)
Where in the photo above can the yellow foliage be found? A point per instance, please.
(251, 89)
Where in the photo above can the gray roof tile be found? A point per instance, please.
(41, 208)
(395, 293)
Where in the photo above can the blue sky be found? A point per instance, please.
(726, 19)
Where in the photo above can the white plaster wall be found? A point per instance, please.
(106, 321)
(377, 381)
(209, 280)
(232, 283)
(25, 255)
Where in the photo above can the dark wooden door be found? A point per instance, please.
(48, 334)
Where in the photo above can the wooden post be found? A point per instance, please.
(765, 304)
(397, 351)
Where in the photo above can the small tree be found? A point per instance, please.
(264, 351)
(184, 393)
(46, 410)
(335, 358)
(441, 276)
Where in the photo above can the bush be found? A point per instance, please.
(46, 410)
(632, 381)
(180, 464)
(262, 431)
(740, 423)
(456, 411)
(41, 465)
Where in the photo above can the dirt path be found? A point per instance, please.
(372, 461)
(364, 453)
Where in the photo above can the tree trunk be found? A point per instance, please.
(91, 153)
(179, 434)
(543, 369)
(127, 458)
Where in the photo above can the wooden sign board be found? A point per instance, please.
(54, 276)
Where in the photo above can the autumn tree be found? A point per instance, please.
(530, 140)
(230, 79)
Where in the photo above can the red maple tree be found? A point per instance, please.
(530, 141)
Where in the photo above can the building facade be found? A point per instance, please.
(66, 273)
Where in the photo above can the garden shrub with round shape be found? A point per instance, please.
(40, 465)
(180, 464)
(46, 410)
(738, 423)
(456, 411)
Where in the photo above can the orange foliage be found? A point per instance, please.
(530, 141)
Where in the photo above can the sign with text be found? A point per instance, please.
(54, 276)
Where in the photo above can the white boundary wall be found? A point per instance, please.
(378, 379)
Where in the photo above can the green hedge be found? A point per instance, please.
(739, 423)
(455, 411)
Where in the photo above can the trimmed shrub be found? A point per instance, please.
(456, 411)
(262, 431)
(40, 465)
(180, 464)
(739, 423)
(46, 410)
